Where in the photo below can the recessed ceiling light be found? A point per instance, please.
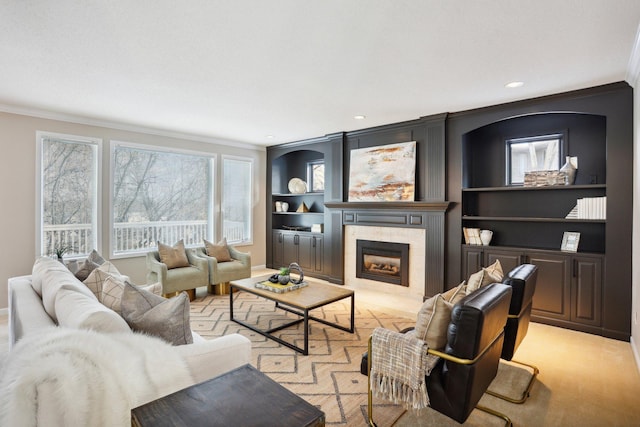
(512, 85)
(270, 136)
(360, 117)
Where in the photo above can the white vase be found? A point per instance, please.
(285, 206)
(485, 237)
(570, 170)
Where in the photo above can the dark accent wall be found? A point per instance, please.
(614, 102)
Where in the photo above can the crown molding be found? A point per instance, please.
(70, 118)
(633, 69)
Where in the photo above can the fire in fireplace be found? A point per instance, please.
(383, 261)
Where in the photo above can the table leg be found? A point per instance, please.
(306, 332)
(231, 302)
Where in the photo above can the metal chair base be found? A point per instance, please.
(526, 392)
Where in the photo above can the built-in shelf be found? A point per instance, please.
(296, 194)
(298, 213)
(530, 219)
(547, 188)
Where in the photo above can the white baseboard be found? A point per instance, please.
(636, 356)
(259, 267)
(4, 311)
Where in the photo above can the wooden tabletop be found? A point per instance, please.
(314, 295)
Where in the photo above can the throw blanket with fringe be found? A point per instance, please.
(399, 364)
(68, 377)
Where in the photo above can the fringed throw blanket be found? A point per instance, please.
(399, 364)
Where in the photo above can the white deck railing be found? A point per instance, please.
(135, 236)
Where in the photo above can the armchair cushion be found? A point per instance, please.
(155, 315)
(173, 256)
(432, 322)
(219, 251)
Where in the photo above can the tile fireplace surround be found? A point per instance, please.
(420, 224)
(397, 298)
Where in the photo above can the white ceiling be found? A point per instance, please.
(240, 70)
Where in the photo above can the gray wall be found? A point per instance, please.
(18, 200)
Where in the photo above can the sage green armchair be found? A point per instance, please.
(179, 279)
(221, 273)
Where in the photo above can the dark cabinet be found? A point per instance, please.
(569, 286)
(304, 248)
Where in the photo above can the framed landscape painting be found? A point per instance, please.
(383, 173)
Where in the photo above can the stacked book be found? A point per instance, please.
(471, 236)
(589, 208)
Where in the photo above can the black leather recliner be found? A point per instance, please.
(470, 360)
(522, 280)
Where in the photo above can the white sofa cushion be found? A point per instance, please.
(40, 267)
(77, 310)
(52, 281)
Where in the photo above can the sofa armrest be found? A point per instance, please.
(209, 359)
(26, 312)
(196, 260)
(243, 257)
(155, 266)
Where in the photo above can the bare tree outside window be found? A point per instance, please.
(68, 194)
(237, 199)
(159, 196)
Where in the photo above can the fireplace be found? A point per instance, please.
(383, 261)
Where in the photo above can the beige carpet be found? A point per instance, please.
(585, 380)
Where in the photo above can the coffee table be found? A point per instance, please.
(300, 302)
(242, 397)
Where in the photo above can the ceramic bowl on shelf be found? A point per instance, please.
(297, 186)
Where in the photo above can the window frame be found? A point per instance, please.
(560, 135)
(97, 200)
(220, 223)
(211, 214)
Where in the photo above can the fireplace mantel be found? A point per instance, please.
(404, 206)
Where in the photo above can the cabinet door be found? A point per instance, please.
(318, 244)
(586, 292)
(509, 258)
(278, 249)
(553, 286)
(471, 260)
(290, 248)
(306, 252)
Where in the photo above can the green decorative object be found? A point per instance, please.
(283, 276)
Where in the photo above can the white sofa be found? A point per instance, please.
(34, 308)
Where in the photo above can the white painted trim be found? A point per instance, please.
(70, 118)
(4, 311)
(259, 267)
(636, 356)
(633, 69)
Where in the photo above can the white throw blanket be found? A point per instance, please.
(70, 377)
(399, 364)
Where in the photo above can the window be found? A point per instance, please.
(315, 175)
(538, 153)
(159, 196)
(68, 181)
(237, 199)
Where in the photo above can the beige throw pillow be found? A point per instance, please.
(155, 315)
(432, 322)
(490, 274)
(220, 251)
(454, 295)
(173, 256)
(97, 277)
(113, 288)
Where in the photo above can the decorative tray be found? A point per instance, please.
(279, 288)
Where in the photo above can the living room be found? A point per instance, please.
(34, 99)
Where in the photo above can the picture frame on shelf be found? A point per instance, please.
(570, 240)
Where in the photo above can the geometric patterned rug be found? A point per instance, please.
(329, 377)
